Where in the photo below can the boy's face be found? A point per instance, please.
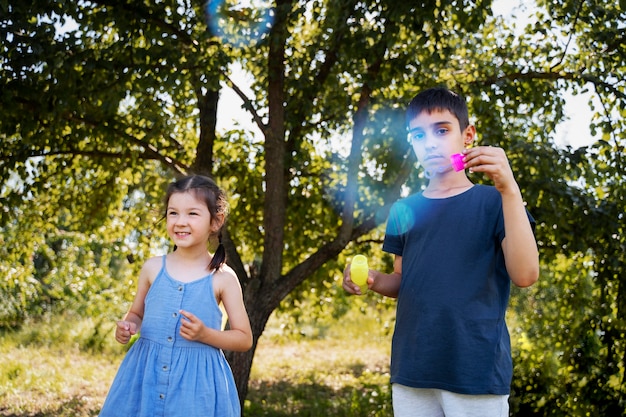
(437, 135)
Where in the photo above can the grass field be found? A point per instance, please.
(49, 369)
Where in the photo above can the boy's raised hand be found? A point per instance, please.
(493, 162)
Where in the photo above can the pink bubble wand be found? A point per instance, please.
(456, 162)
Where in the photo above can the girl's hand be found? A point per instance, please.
(191, 327)
(124, 331)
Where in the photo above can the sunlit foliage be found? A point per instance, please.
(104, 102)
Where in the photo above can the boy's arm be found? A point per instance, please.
(387, 284)
(519, 245)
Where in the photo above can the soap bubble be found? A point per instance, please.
(239, 23)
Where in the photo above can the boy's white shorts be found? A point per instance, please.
(420, 402)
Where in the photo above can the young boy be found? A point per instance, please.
(457, 247)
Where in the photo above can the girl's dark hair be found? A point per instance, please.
(438, 98)
(206, 190)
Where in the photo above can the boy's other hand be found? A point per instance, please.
(348, 285)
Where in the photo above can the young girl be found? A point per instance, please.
(176, 367)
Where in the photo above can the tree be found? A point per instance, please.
(99, 117)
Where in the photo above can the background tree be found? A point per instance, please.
(98, 117)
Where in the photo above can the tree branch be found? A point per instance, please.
(247, 103)
(571, 36)
(553, 76)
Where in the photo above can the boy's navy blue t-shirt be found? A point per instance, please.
(450, 328)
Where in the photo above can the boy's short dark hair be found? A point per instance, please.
(437, 99)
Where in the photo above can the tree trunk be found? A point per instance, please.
(241, 362)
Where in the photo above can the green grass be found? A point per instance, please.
(50, 368)
(60, 367)
(316, 378)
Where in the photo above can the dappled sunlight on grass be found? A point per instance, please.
(39, 381)
(344, 374)
(63, 367)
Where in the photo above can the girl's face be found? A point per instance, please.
(437, 135)
(189, 221)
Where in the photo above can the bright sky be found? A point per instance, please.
(575, 130)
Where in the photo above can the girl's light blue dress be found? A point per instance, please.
(165, 375)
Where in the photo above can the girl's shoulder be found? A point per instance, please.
(224, 278)
(152, 267)
(224, 272)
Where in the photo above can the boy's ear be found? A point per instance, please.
(469, 134)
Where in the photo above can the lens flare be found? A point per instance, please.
(239, 24)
